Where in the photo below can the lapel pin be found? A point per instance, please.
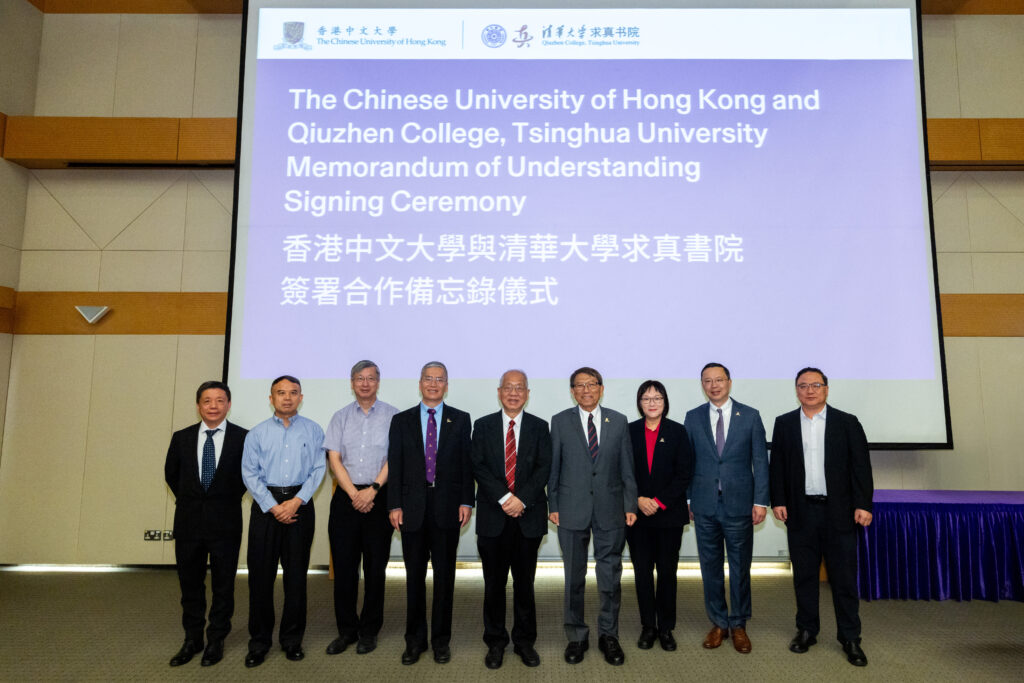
(661, 440)
(737, 413)
(448, 420)
(607, 420)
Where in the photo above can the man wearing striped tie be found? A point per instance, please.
(592, 489)
(511, 462)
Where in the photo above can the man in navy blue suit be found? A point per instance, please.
(728, 497)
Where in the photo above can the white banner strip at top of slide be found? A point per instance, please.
(822, 34)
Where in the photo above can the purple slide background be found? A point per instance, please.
(835, 245)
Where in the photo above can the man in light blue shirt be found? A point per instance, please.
(282, 466)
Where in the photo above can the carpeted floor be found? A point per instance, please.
(126, 626)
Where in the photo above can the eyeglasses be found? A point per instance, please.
(365, 380)
(807, 387)
(513, 388)
(652, 399)
(717, 381)
(433, 380)
(582, 387)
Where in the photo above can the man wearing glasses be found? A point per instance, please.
(822, 488)
(430, 497)
(728, 497)
(511, 463)
(357, 453)
(592, 489)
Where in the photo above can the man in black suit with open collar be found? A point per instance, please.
(822, 489)
(511, 463)
(430, 497)
(204, 471)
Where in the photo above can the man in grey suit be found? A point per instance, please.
(728, 497)
(592, 489)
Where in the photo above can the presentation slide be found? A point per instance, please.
(638, 190)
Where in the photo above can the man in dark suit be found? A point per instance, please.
(822, 488)
(511, 462)
(204, 471)
(728, 497)
(430, 497)
(591, 490)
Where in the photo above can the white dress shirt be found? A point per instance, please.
(218, 444)
(812, 431)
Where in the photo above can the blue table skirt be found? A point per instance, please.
(942, 545)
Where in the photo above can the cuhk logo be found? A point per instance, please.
(293, 32)
(494, 36)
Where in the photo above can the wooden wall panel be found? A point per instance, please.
(1002, 140)
(972, 7)
(7, 297)
(54, 141)
(130, 313)
(982, 315)
(207, 141)
(953, 140)
(3, 129)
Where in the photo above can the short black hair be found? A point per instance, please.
(824, 379)
(282, 378)
(212, 384)
(657, 386)
(716, 365)
(585, 371)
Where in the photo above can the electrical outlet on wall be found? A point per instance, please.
(168, 535)
(151, 535)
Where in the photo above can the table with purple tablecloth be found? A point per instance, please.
(942, 545)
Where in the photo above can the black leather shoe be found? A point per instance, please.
(527, 654)
(855, 655)
(254, 659)
(341, 643)
(214, 653)
(574, 651)
(802, 642)
(495, 655)
(613, 653)
(647, 637)
(294, 652)
(188, 650)
(442, 654)
(412, 654)
(668, 643)
(366, 645)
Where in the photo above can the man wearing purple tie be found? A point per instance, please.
(430, 497)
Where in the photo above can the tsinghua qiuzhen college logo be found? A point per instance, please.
(494, 36)
(293, 31)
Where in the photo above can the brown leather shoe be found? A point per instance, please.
(740, 641)
(715, 637)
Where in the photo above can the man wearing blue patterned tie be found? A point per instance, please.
(204, 471)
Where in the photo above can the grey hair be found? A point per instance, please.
(434, 364)
(362, 365)
(526, 380)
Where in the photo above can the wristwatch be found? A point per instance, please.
(375, 486)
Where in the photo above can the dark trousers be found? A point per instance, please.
(736, 536)
(813, 539)
(271, 542)
(438, 546)
(191, 555)
(355, 535)
(509, 550)
(608, 545)
(653, 548)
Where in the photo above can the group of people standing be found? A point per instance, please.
(594, 475)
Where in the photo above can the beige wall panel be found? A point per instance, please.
(888, 467)
(221, 184)
(13, 188)
(217, 59)
(999, 273)
(141, 271)
(1002, 359)
(200, 358)
(1006, 186)
(77, 63)
(59, 271)
(950, 215)
(21, 29)
(942, 181)
(205, 271)
(156, 65)
(990, 52)
(6, 346)
(161, 226)
(44, 448)
(10, 266)
(955, 273)
(105, 202)
(207, 223)
(993, 226)
(123, 490)
(48, 225)
(940, 77)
